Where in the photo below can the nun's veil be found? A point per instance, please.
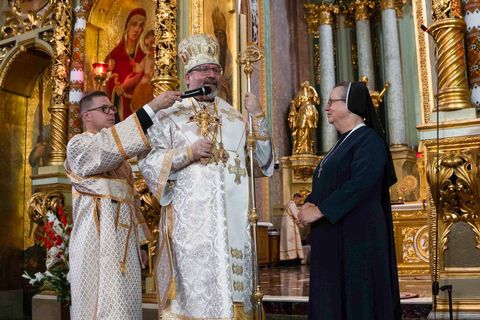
(358, 101)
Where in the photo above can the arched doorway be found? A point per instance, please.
(20, 73)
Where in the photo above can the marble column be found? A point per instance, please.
(344, 47)
(393, 74)
(361, 9)
(327, 69)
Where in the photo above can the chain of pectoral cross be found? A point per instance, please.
(210, 125)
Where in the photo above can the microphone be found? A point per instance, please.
(424, 28)
(202, 91)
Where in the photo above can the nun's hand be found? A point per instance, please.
(309, 213)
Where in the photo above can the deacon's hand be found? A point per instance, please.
(165, 100)
(309, 213)
(252, 104)
(201, 149)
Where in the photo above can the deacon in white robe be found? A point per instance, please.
(204, 266)
(290, 240)
(108, 227)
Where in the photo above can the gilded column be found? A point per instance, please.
(76, 72)
(311, 18)
(393, 74)
(165, 74)
(361, 9)
(325, 13)
(61, 63)
(472, 19)
(448, 32)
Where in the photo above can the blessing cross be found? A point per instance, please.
(236, 170)
(204, 120)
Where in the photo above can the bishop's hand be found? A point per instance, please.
(201, 149)
(252, 104)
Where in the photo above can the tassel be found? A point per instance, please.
(172, 290)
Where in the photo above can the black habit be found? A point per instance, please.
(353, 272)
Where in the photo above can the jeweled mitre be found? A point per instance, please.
(198, 49)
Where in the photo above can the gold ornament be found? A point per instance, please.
(303, 118)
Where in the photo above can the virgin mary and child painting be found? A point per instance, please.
(131, 64)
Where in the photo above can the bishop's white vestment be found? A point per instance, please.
(206, 240)
(108, 227)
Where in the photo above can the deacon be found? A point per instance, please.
(198, 146)
(108, 227)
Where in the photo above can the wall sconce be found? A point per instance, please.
(100, 68)
(100, 73)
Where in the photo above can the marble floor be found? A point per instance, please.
(293, 281)
(285, 290)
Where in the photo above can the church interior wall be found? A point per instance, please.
(19, 130)
(289, 58)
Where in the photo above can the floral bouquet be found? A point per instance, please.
(55, 240)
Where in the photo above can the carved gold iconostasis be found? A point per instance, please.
(29, 63)
(21, 132)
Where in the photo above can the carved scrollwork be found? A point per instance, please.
(165, 73)
(151, 213)
(18, 20)
(458, 190)
(304, 173)
(38, 206)
(149, 206)
(444, 9)
(415, 244)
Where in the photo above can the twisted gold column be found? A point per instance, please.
(165, 74)
(58, 108)
(453, 92)
(311, 18)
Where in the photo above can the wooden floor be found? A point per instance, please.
(293, 281)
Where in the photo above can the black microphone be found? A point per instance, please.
(202, 91)
(424, 28)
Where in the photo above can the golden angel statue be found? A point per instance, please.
(303, 118)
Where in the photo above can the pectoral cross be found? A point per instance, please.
(204, 120)
(236, 170)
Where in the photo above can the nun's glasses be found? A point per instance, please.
(330, 101)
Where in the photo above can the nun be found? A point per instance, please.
(353, 272)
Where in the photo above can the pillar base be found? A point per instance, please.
(297, 173)
(405, 162)
(442, 315)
